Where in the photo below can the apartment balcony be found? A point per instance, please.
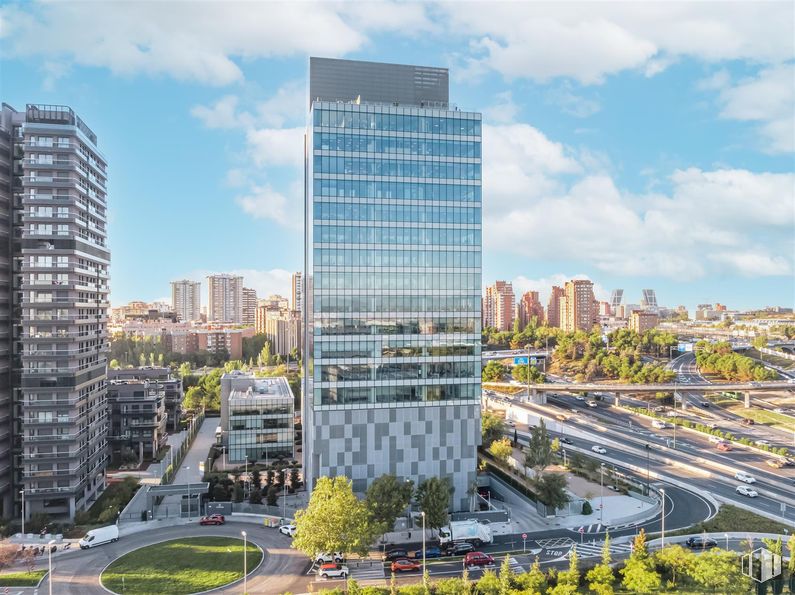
(44, 491)
(50, 473)
(55, 456)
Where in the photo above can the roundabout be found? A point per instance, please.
(181, 566)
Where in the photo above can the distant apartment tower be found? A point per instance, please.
(186, 299)
(641, 321)
(498, 306)
(249, 306)
(392, 264)
(298, 292)
(225, 298)
(530, 307)
(649, 300)
(577, 311)
(553, 306)
(283, 331)
(54, 195)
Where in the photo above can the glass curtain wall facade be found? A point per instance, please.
(392, 379)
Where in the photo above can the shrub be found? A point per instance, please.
(587, 508)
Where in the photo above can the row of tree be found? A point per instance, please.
(131, 350)
(335, 520)
(720, 359)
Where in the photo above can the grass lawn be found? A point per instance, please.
(180, 566)
(781, 362)
(733, 519)
(21, 579)
(762, 416)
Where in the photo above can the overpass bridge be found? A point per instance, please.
(512, 353)
(537, 392)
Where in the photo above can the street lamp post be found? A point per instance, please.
(190, 502)
(23, 512)
(648, 476)
(49, 553)
(423, 548)
(245, 569)
(675, 424)
(662, 542)
(602, 493)
(726, 535)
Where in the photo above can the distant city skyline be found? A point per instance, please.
(636, 156)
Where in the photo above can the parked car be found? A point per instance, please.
(565, 440)
(701, 543)
(395, 554)
(333, 571)
(459, 549)
(599, 449)
(212, 519)
(724, 446)
(744, 477)
(776, 463)
(476, 559)
(746, 491)
(430, 552)
(288, 530)
(404, 565)
(330, 558)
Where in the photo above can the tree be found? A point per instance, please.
(539, 453)
(265, 354)
(533, 582)
(639, 573)
(569, 580)
(256, 478)
(8, 555)
(501, 449)
(760, 341)
(295, 480)
(238, 496)
(506, 576)
(493, 372)
(272, 495)
(220, 493)
(114, 364)
(791, 563)
(676, 560)
(720, 571)
(491, 427)
(334, 520)
(184, 369)
(489, 584)
(386, 498)
(433, 496)
(255, 497)
(551, 489)
(601, 578)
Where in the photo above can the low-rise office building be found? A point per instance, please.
(257, 417)
(171, 386)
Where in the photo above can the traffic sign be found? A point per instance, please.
(524, 535)
(520, 361)
(582, 529)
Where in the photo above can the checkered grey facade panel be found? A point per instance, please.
(410, 442)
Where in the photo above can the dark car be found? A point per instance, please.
(565, 440)
(747, 422)
(395, 554)
(459, 549)
(473, 559)
(701, 543)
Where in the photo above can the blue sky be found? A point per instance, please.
(640, 145)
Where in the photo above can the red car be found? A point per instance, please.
(477, 559)
(213, 519)
(404, 565)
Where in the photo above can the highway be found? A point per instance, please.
(632, 433)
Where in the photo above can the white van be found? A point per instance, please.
(99, 536)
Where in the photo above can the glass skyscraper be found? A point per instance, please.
(393, 277)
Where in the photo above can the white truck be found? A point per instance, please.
(469, 531)
(99, 536)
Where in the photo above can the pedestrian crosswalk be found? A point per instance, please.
(593, 549)
(593, 528)
(367, 570)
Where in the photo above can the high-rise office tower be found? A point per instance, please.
(249, 306)
(186, 299)
(225, 298)
(298, 292)
(530, 307)
(498, 306)
(649, 300)
(393, 277)
(616, 299)
(60, 263)
(577, 309)
(553, 306)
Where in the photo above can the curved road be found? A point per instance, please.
(282, 569)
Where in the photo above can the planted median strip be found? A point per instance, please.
(180, 566)
(21, 579)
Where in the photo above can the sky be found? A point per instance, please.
(637, 144)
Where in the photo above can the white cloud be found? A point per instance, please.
(589, 41)
(503, 110)
(570, 103)
(288, 104)
(544, 285)
(199, 41)
(547, 201)
(265, 282)
(276, 146)
(222, 114)
(767, 98)
(263, 202)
